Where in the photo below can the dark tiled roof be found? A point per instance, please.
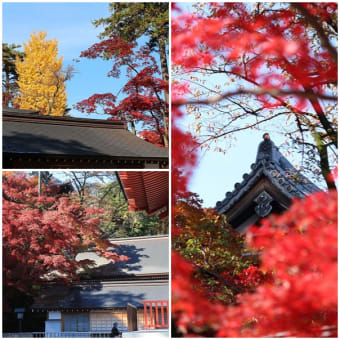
(148, 256)
(97, 295)
(11, 110)
(272, 165)
(27, 133)
(116, 285)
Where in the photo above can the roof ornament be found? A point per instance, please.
(263, 207)
(266, 136)
(282, 180)
(265, 150)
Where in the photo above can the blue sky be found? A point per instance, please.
(70, 24)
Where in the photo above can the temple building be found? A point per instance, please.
(268, 188)
(134, 293)
(34, 141)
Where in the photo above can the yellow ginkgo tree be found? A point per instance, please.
(41, 79)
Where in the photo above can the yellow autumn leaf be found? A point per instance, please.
(41, 80)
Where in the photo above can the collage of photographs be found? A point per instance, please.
(169, 169)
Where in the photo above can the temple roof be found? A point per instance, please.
(143, 277)
(26, 132)
(272, 167)
(149, 255)
(99, 295)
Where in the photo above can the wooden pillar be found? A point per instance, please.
(132, 318)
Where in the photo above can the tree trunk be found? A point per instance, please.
(7, 90)
(166, 139)
(165, 76)
(164, 64)
(164, 227)
(39, 183)
(324, 164)
(133, 128)
(163, 59)
(333, 135)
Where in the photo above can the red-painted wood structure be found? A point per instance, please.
(155, 314)
(146, 190)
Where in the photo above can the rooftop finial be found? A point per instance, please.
(266, 136)
(265, 149)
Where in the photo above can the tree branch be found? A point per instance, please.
(274, 93)
(242, 128)
(219, 277)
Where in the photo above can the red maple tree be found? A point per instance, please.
(42, 235)
(144, 106)
(298, 248)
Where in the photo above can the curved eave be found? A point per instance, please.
(146, 191)
(289, 188)
(240, 189)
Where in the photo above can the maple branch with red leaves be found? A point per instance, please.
(144, 91)
(311, 19)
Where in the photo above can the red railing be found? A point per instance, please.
(156, 314)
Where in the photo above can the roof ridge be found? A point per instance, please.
(63, 120)
(271, 163)
(139, 238)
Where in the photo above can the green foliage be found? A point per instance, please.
(119, 221)
(133, 20)
(205, 239)
(9, 54)
(9, 73)
(101, 189)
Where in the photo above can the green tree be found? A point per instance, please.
(131, 21)
(101, 189)
(9, 72)
(119, 221)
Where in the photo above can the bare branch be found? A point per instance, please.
(273, 92)
(242, 128)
